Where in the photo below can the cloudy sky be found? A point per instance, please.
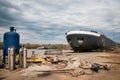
(47, 21)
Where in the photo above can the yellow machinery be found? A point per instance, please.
(35, 59)
(39, 60)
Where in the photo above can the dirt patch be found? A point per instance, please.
(32, 72)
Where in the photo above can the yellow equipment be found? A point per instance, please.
(35, 60)
(38, 60)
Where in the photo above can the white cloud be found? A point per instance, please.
(45, 18)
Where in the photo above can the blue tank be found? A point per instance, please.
(11, 39)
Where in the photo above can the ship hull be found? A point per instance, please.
(87, 42)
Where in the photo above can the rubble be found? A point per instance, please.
(73, 65)
(79, 63)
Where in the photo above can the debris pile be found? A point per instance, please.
(83, 66)
(75, 66)
(79, 63)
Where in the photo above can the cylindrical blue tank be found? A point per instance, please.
(11, 39)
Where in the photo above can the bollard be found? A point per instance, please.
(24, 58)
(11, 58)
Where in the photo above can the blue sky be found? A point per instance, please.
(47, 21)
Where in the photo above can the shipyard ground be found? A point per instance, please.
(109, 58)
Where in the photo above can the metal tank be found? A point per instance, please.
(11, 39)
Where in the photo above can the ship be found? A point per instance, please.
(89, 41)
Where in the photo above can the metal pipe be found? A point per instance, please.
(24, 58)
(21, 57)
(8, 57)
(11, 58)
